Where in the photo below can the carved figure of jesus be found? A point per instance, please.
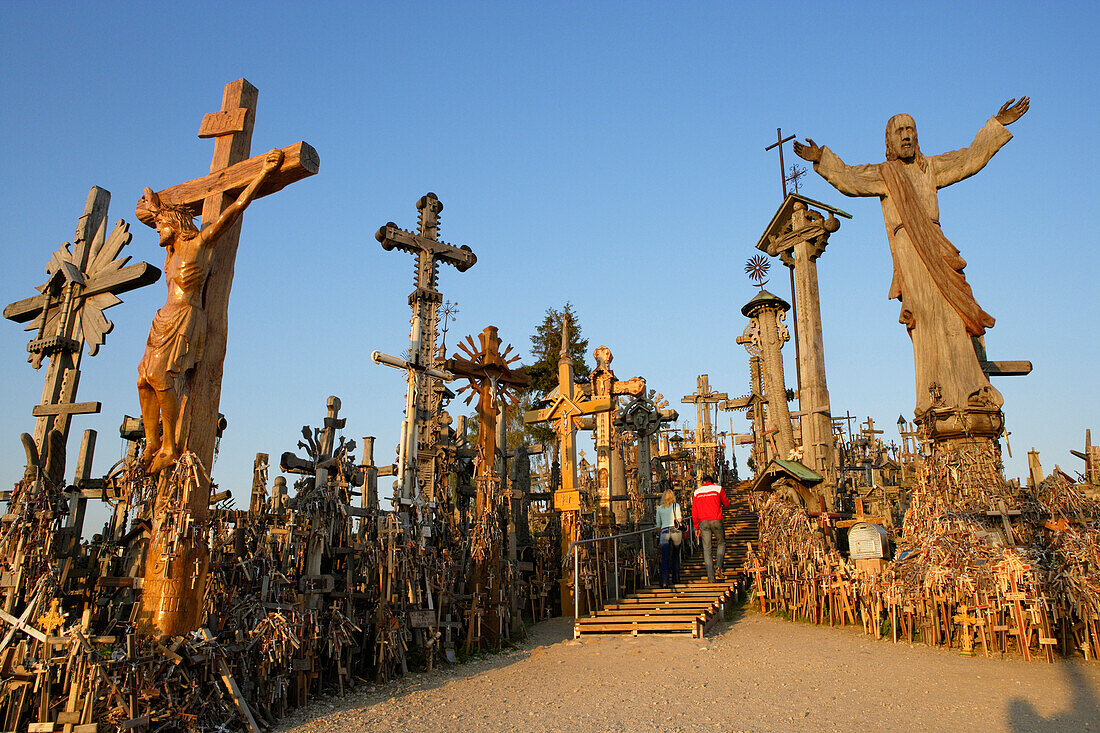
(937, 305)
(176, 338)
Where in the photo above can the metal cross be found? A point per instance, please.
(779, 140)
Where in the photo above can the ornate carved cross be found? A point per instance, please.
(423, 391)
(85, 279)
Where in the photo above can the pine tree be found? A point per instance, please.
(542, 367)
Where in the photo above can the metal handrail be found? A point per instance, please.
(609, 537)
(575, 548)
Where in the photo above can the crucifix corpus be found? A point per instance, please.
(954, 397)
(179, 377)
(565, 413)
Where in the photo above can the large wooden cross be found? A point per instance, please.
(490, 377)
(174, 590)
(85, 278)
(421, 427)
(231, 170)
(565, 413)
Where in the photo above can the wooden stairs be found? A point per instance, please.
(694, 605)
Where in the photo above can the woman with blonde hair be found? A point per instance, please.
(670, 521)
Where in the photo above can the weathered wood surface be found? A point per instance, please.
(118, 282)
(300, 161)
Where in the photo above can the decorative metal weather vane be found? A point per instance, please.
(757, 269)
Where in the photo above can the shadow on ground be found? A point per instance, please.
(1084, 708)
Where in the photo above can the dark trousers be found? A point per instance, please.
(670, 559)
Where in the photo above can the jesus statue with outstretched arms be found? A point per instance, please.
(937, 305)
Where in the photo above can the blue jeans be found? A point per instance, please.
(670, 558)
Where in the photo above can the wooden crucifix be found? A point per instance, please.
(190, 331)
(564, 414)
(193, 326)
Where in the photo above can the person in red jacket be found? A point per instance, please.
(706, 515)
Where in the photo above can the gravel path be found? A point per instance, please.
(753, 674)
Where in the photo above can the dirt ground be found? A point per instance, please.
(752, 674)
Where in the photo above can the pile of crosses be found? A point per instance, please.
(187, 612)
(981, 562)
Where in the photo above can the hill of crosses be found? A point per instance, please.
(200, 607)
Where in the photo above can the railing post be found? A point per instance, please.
(645, 565)
(576, 583)
(616, 546)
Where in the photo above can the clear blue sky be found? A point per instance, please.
(606, 154)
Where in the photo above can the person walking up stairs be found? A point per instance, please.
(706, 516)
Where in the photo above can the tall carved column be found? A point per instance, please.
(798, 235)
(766, 328)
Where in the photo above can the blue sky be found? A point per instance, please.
(606, 154)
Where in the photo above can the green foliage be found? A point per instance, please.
(542, 367)
(546, 349)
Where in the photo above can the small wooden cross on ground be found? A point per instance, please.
(84, 279)
(421, 397)
(173, 593)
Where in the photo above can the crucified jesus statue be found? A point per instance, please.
(938, 307)
(175, 342)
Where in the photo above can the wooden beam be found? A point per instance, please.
(1006, 368)
(118, 282)
(300, 161)
(67, 408)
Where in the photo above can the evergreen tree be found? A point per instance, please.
(542, 367)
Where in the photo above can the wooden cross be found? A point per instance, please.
(868, 430)
(231, 170)
(420, 397)
(174, 591)
(85, 279)
(1004, 513)
(490, 375)
(703, 397)
(565, 413)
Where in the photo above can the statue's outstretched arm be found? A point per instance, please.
(211, 233)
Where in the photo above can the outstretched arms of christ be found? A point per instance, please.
(948, 168)
(210, 234)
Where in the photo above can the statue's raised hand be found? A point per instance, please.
(273, 160)
(1010, 112)
(808, 151)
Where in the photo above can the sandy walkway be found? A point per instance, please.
(755, 674)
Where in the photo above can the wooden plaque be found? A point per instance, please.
(567, 501)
